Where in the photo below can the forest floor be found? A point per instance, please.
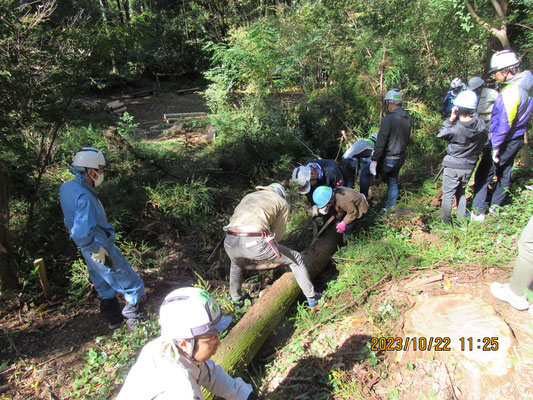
(43, 345)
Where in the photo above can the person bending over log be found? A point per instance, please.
(257, 225)
(317, 173)
(177, 364)
(349, 205)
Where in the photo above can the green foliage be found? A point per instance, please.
(190, 203)
(110, 360)
(80, 284)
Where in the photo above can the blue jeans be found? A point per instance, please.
(486, 171)
(389, 172)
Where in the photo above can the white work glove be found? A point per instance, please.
(495, 156)
(314, 211)
(373, 166)
(100, 255)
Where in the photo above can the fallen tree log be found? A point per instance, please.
(245, 339)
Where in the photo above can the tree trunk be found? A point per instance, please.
(126, 7)
(119, 8)
(246, 338)
(499, 32)
(8, 279)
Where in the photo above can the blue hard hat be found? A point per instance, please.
(322, 195)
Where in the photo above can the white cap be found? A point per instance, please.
(189, 313)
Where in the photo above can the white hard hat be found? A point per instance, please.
(89, 157)
(503, 59)
(190, 312)
(466, 99)
(393, 96)
(302, 175)
(456, 83)
(475, 82)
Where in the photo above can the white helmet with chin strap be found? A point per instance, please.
(89, 157)
(189, 313)
(503, 59)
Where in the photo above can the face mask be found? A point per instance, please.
(98, 181)
(323, 210)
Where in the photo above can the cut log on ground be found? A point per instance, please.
(115, 104)
(145, 92)
(197, 118)
(120, 110)
(182, 91)
(246, 338)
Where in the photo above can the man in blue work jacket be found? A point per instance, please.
(86, 221)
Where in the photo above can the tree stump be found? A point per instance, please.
(474, 343)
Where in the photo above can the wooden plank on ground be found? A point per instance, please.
(186, 114)
(41, 269)
(145, 92)
(181, 91)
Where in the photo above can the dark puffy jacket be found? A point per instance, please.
(466, 141)
(393, 135)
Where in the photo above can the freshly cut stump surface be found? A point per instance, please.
(477, 347)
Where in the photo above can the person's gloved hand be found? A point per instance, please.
(495, 156)
(341, 227)
(100, 255)
(373, 166)
(314, 211)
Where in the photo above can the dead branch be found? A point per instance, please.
(347, 259)
(349, 305)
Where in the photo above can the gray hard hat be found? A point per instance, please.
(475, 82)
(302, 176)
(394, 96)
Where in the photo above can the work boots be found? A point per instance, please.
(134, 314)
(110, 309)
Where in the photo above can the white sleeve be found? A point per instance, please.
(217, 381)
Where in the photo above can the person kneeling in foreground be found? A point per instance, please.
(513, 292)
(349, 205)
(177, 364)
(254, 230)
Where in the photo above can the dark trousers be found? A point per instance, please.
(486, 171)
(454, 183)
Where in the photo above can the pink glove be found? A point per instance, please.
(341, 227)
